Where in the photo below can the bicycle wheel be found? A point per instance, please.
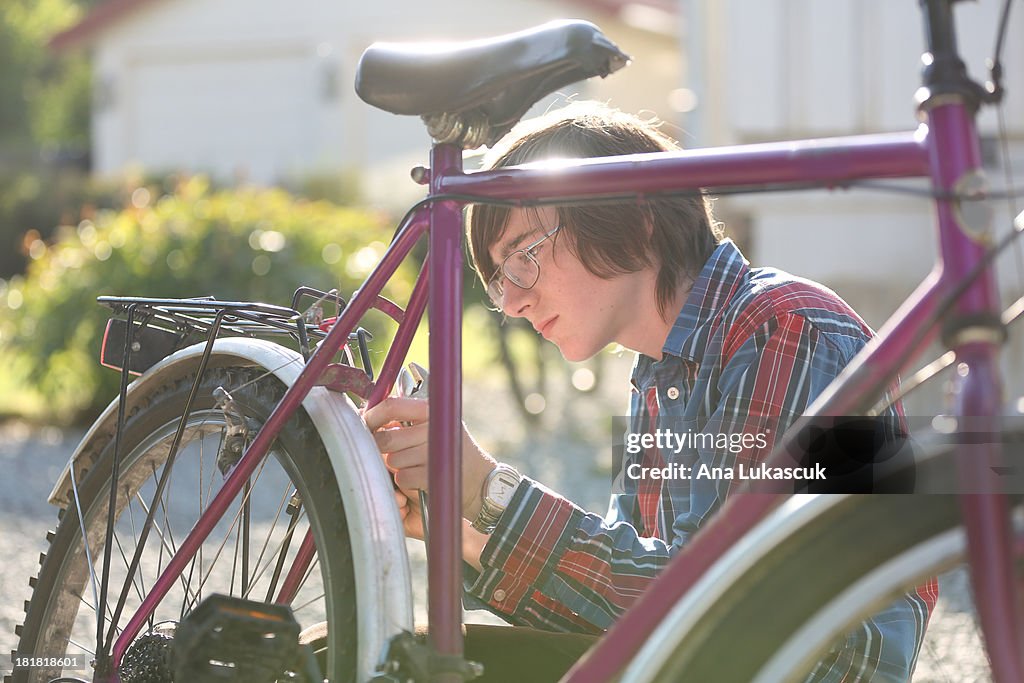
(771, 608)
(241, 557)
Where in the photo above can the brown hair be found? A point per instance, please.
(676, 234)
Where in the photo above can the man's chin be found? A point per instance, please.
(575, 355)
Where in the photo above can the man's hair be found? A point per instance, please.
(675, 234)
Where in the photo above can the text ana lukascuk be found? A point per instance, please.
(740, 472)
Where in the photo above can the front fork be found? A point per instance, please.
(974, 330)
(986, 509)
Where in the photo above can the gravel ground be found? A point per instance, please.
(569, 450)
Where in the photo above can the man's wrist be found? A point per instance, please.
(473, 509)
(473, 543)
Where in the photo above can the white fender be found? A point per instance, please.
(383, 587)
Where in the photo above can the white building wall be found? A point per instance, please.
(791, 69)
(263, 90)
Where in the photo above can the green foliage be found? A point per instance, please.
(235, 245)
(59, 103)
(342, 188)
(41, 94)
(33, 202)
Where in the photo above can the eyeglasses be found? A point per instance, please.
(521, 268)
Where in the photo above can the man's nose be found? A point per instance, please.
(515, 300)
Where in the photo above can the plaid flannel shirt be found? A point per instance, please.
(749, 351)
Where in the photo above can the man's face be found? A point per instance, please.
(577, 310)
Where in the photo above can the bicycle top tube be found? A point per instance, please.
(816, 162)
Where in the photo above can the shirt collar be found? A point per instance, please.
(719, 278)
(723, 272)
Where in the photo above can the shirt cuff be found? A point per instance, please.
(529, 540)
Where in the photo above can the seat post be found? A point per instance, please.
(444, 554)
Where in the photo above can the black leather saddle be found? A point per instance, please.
(471, 93)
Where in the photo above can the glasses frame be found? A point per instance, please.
(495, 286)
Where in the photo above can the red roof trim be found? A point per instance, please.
(99, 18)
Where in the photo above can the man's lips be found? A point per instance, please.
(545, 326)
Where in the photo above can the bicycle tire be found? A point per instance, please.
(52, 612)
(739, 629)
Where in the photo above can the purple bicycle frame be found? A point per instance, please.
(946, 150)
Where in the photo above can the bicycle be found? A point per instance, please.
(294, 406)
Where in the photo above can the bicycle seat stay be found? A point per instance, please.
(471, 93)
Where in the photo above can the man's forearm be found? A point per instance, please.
(473, 543)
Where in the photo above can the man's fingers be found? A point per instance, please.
(404, 459)
(396, 410)
(401, 438)
(411, 478)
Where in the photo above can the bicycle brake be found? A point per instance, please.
(237, 435)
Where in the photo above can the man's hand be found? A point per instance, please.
(473, 541)
(412, 518)
(404, 449)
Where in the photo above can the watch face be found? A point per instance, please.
(501, 488)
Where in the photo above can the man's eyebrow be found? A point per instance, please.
(511, 246)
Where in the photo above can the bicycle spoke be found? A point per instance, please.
(84, 648)
(293, 519)
(85, 544)
(310, 602)
(124, 557)
(91, 606)
(269, 535)
(234, 562)
(163, 541)
(270, 562)
(234, 521)
(202, 509)
(246, 511)
(172, 548)
(163, 509)
(188, 583)
(135, 537)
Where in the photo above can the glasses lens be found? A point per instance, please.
(521, 269)
(495, 290)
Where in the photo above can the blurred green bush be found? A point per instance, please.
(35, 199)
(246, 244)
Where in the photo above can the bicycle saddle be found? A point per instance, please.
(471, 93)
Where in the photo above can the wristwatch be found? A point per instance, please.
(498, 488)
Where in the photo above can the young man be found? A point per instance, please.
(721, 347)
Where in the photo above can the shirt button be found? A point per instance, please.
(499, 595)
(672, 393)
